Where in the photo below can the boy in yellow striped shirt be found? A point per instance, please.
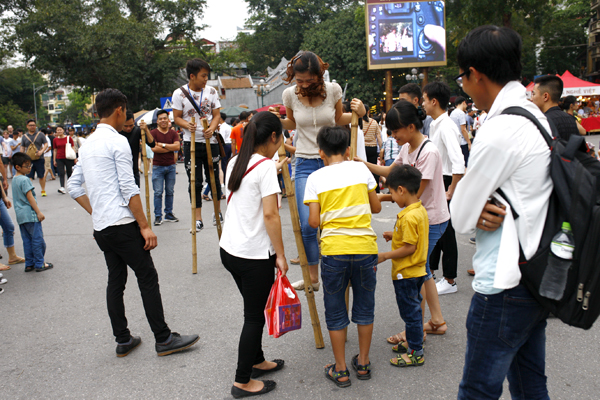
(341, 197)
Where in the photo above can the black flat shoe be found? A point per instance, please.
(124, 349)
(257, 372)
(238, 393)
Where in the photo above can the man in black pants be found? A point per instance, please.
(122, 233)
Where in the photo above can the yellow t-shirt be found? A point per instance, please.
(342, 191)
(412, 227)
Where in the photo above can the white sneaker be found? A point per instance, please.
(199, 226)
(3, 281)
(299, 285)
(62, 190)
(444, 287)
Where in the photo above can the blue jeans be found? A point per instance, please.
(336, 272)
(435, 233)
(163, 176)
(408, 297)
(8, 228)
(506, 337)
(305, 167)
(389, 162)
(34, 245)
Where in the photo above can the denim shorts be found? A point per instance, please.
(336, 273)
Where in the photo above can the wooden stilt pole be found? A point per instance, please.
(308, 289)
(213, 184)
(144, 160)
(353, 149)
(193, 193)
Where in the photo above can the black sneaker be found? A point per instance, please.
(157, 221)
(215, 219)
(176, 343)
(171, 218)
(126, 348)
(199, 226)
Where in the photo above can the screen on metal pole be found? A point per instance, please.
(403, 34)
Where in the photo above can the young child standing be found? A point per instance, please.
(341, 197)
(29, 216)
(410, 241)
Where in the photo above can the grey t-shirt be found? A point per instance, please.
(39, 142)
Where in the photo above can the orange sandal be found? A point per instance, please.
(434, 328)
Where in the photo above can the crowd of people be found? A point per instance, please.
(441, 165)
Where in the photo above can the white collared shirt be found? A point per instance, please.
(105, 165)
(509, 153)
(444, 134)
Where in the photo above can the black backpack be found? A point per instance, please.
(575, 199)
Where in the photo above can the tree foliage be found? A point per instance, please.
(76, 111)
(99, 44)
(16, 96)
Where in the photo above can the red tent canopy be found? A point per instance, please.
(577, 87)
(280, 106)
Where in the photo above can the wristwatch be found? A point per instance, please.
(163, 145)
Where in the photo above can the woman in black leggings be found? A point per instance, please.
(60, 159)
(251, 244)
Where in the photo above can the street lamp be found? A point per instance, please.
(34, 100)
(414, 78)
(261, 90)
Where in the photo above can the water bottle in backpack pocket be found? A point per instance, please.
(560, 257)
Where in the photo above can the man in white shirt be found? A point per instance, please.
(120, 226)
(506, 326)
(444, 134)
(207, 100)
(459, 116)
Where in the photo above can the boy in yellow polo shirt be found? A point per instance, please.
(410, 241)
(341, 197)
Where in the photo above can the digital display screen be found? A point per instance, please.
(405, 34)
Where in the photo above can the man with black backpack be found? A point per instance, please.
(506, 324)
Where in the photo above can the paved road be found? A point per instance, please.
(57, 342)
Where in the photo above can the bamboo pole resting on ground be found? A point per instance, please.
(144, 160)
(353, 150)
(308, 289)
(213, 184)
(193, 193)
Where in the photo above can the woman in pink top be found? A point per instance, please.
(404, 121)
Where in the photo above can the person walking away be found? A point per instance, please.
(506, 326)
(29, 216)
(341, 197)
(61, 162)
(122, 232)
(34, 144)
(163, 167)
(252, 246)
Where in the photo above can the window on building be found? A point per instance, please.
(59, 97)
(50, 107)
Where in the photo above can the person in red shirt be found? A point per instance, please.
(60, 159)
(164, 167)
(238, 131)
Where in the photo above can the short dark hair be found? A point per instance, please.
(70, 129)
(195, 65)
(552, 85)
(223, 116)
(18, 159)
(403, 114)
(30, 120)
(129, 115)
(406, 176)
(108, 101)
(494, 51)
(161, 112)
(459, 100)
(60, 126)
(333, 140)
(412, 89)
(439, 91)
(244, 115)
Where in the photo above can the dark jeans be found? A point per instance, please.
(447, 245)
(254, 279)
(201, 163)
(408, 298)
(61, 164)
(465, 151)
(163, 179)
(34, 244)
(123, 245)
(37, 167)
(506, 337)
(372, 155)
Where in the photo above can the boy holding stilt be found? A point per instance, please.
(410, 241)
(341, 197)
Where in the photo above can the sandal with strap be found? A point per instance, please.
(415, 361)
(402, 347)
(336, 375)
(434, 328)
(396, 339)
(361, 368)
(206, 198)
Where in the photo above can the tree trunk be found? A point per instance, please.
(506, 19)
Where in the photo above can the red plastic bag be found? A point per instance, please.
(283, 312)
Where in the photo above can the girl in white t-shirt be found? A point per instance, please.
(251, 243)
(404, 121)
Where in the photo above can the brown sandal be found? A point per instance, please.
(435, 327)
(19, 260)
(398, 338)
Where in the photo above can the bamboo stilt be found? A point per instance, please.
(353, 150)
(145, 166)
(308, 289)
(213, 184)
(193, 193)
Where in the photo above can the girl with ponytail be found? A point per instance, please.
(251, 243)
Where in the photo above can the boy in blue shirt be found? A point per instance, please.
(29, 216)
